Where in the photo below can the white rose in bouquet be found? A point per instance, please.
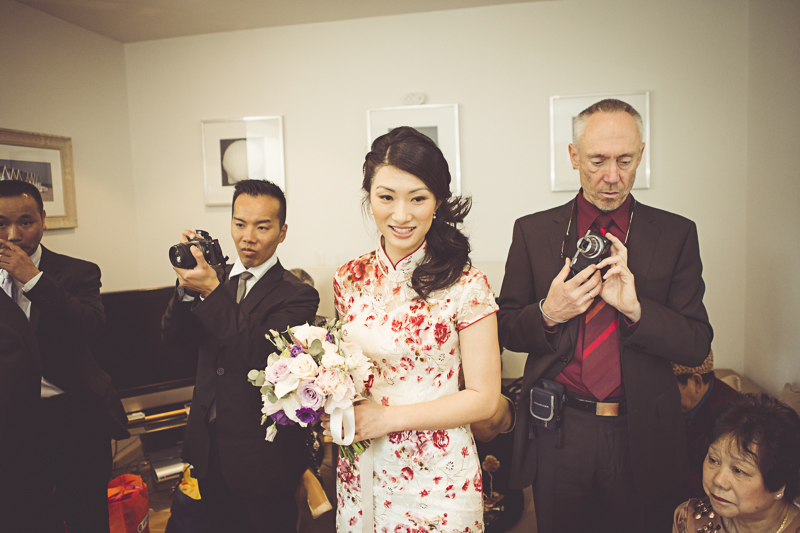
(341, 396)
(306, 334)
(303, 366)
(331, 359)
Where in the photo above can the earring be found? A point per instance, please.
(779, 495)
(434, 215)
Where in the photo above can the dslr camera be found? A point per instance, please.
(180, 255)
(592, 248)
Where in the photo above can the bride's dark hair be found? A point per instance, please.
(447, 251)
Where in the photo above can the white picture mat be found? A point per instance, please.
(442, 116)
(266, 132)
(563, 110)
(54, 208)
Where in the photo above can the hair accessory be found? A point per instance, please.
(548, 317)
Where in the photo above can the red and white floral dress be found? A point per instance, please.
(422, 480)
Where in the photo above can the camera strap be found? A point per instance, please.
(572, 215)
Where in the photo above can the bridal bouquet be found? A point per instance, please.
(316, 371)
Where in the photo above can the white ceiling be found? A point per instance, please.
(130, 21)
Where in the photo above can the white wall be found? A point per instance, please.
(62, 80)
(500, 64)
(724, 76)
(773, 190)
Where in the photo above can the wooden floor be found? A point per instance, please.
(131, 459)
(160, 502)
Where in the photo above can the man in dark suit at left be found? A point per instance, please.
(247, 483)
(79, 410)
(20, 391)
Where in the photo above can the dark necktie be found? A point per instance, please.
(600, 371)
(242, 288)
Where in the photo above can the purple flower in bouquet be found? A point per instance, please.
(329, 337)
(310, 395)
(280, 418)
(307, 415)
(296, 350)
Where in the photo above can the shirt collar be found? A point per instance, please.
(405, 267)
(588, 212)
(256, 271)
(37, 256)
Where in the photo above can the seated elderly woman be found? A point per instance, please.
(751, 473)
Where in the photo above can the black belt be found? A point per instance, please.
(609, 407)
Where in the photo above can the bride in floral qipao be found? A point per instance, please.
(424, 315)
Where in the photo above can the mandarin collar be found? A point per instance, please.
(405, 267)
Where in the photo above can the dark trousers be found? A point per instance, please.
(75, 452)
(233, 510)
(587, 484)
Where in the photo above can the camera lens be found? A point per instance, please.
(590, 246)
(181, 256)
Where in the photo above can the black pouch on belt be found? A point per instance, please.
(546, 403)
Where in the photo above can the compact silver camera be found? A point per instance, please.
(592, 248)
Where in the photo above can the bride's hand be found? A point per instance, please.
(371, 421)
(325, 420)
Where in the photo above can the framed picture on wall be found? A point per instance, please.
(46, 162)
(235, 149)
(563, 112)
(439, 122)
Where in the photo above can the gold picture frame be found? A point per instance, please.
(45, 161)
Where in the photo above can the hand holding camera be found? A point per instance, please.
(606, 274)
(618, 287)
(196, 260)
(568, 298)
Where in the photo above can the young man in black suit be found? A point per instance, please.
(80, 411)
(247, 482)
(20, 391)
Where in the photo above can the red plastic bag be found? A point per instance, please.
(128, 507)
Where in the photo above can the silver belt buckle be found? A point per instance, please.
(606, 409)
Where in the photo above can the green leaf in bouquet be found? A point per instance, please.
(271, 397)
(315, 348)
(252, 375)
(268, 388)
(260, 379)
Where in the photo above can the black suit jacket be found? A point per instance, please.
(20, 392)
(664, 257)
(232, 342)
(67, 315)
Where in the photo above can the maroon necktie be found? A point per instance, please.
(600, 371)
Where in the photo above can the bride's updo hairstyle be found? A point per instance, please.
(447, 251)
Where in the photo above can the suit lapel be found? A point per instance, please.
(268, 282)
(46, 264)
(558, 237)
(642, 240)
